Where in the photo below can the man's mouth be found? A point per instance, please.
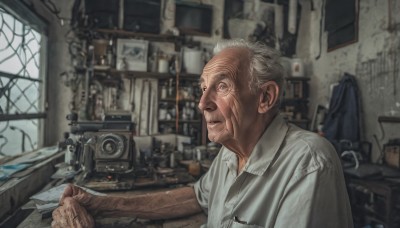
(213, 122)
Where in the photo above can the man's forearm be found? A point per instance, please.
(161, 205)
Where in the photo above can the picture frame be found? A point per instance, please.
(342, 29)
(132, 54)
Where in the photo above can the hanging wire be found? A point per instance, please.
(3, 144)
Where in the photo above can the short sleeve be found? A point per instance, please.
(203, 187)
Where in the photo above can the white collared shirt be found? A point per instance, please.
(293, 178)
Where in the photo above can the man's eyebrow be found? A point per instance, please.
(218, 77)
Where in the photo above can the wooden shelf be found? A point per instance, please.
(294, 100)
(180, 121)
(294, 104)
(388, 119)
(297, 78)
(299, 121)
(142, 74)
(180, 100)
(113, 76)
(146, 36)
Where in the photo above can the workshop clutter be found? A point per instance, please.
(106, 159)
(193, 60)
(391, 153)
(172, 151)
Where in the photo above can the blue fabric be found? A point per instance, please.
(342, 121)
(7, 170)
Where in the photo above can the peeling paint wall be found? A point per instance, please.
(374, 60)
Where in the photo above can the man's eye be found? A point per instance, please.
(222, 87)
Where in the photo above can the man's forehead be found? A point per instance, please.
(216, 77)
(233, 55)
(227, 63)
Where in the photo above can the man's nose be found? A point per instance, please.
(206, 102)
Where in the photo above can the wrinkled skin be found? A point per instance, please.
(230, 109)
(71, 214)
(81, 196)
(236, 116)
(174, 203)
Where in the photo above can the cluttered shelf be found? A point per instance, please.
(180, 121)
(376, 200)
(141, 74)
(146, 36)
(294, 105)
(180, 99)
(297, 78)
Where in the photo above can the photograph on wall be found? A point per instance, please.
(132, 54)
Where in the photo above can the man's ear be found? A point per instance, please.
(268, 97)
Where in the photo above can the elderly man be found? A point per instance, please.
(267, 174)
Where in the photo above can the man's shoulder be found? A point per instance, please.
(311, 147)
(303, 137)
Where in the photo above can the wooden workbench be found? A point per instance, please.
(34, 220)
(15, 192)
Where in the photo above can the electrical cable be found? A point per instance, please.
(3, 144)
(24, 134)
(320, 28)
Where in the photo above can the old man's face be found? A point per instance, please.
(227, 103)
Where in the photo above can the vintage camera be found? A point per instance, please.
(111, 152)
(102, 147)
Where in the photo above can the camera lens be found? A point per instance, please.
(109, 146)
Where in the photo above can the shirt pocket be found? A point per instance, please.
(236, 224)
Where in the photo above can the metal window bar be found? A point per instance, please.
(21, 83)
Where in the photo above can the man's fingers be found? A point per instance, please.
(78, 194)
(59, 217)
(68, 192)
(71, 214)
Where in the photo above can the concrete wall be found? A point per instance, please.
(374, 60)
(58, 95)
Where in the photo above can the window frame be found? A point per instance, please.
(26, 16)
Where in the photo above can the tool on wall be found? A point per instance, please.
(146, 107)
(178, 72)
(292, 20)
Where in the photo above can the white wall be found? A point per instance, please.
(374, 60)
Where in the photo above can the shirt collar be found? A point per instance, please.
(264, 151)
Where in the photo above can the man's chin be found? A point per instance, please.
(217, 137)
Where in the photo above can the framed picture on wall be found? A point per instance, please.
(341, 22)
(132, 54)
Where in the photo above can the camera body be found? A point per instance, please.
(111, 151)
(102, 147)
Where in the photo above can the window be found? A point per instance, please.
(22, 55)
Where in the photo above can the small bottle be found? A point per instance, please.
(194, 168)
(110, 53)
(172, 163)
(164, 91)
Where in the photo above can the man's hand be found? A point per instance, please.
(77, 193)
(71, 214)
(82, 197)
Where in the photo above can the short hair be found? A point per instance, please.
(265, 63)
